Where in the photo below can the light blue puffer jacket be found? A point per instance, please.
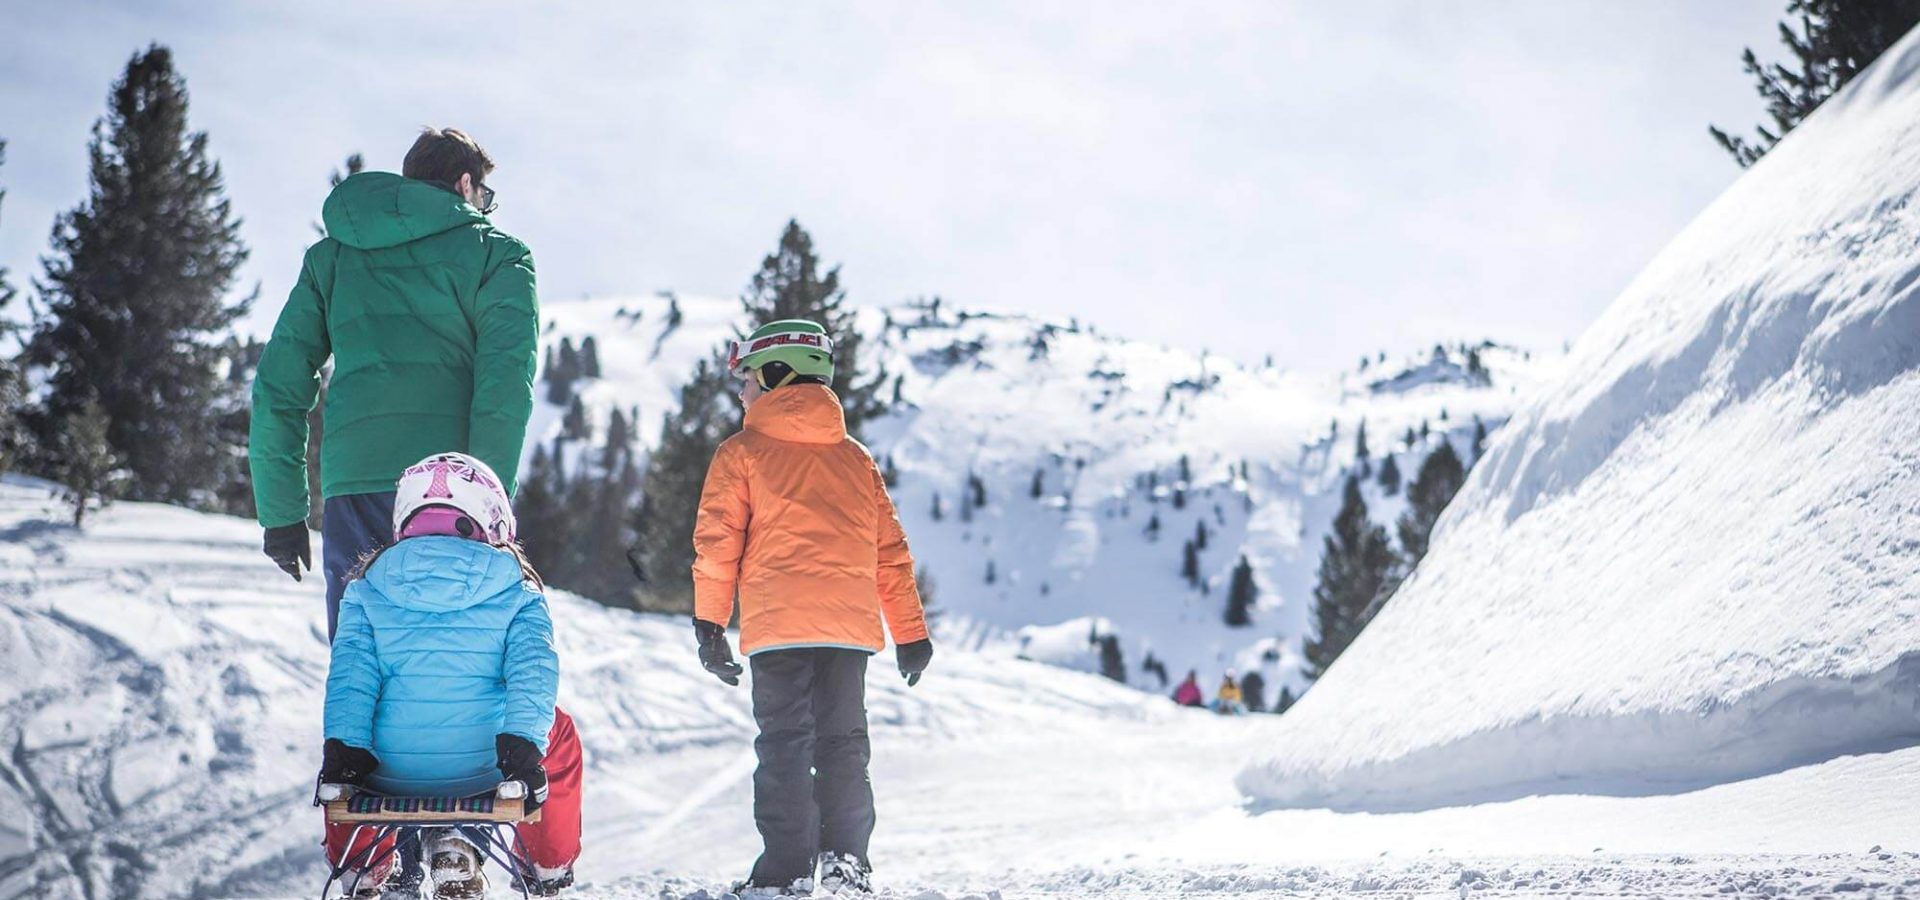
(441, 647)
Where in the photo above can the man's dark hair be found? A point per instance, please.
(443, 155)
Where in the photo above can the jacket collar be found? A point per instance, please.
(802, 413)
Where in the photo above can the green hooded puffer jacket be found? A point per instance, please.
(430, 316)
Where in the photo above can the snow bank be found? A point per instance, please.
(1695, 558)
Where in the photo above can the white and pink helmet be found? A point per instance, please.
(453, 494)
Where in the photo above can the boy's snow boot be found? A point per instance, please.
(844, 873)
(747, 890)
(455, 864)
(544, 882)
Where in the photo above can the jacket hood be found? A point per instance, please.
(372, 210)
(802, 413)
(437, 573)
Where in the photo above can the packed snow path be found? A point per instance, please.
(160, 705)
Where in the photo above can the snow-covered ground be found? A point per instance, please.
(160, 706)
(1104, 423)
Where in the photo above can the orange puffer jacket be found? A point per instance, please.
(795, 518)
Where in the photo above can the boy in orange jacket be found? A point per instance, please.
(795, 520)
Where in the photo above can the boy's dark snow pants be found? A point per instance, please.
(811, 791)
(352, 526)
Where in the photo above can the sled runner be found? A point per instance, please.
(491, 821)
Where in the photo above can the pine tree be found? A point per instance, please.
(890, 473)
(976, 491)
(13, 437)
(790, 285)
(1253, 691)
(1153, 526)
(88, 465)
(1186, 470)
(992, 574)
(1477, 368)
(1190, 564)
(1361, 455)
(1837, 39)
(676, 471)
(1200, 532)
(929, 592)
(1479, 441)
(1355, 566)
(1283, 702)
(354, 166)
(1179, 496)
(619, 440)
(1389, 476)
(1432, 489)
(573, 426)
(589, 358)
(1039, 485)
(536, 506)
(561, 372)
(1242, 593)
(1112, 663)
(134, 297)
(937, 514)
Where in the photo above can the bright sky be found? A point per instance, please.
(1314, 180)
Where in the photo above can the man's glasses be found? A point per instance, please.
(487, 206)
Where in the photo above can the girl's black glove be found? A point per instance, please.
(519, 760)
(343, 763)
(715, 655)
(913, 658)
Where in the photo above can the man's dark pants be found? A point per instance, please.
(352, 526)
(811, 791)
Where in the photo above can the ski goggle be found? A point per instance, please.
(738, 351)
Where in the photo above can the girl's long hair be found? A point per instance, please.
(527, 572)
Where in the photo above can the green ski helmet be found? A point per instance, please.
(802, 345)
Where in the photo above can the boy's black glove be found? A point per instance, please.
(913, 659)
(289, 546)
(519, 760)
(343, 763)
(714, 652)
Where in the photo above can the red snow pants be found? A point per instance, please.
(552, 842)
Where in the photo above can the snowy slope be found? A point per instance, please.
(160, 705)
(1694, 559)
(1105, 423)
(161, 685)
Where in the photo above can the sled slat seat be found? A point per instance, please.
(367, 808)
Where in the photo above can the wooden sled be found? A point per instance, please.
(491, 821)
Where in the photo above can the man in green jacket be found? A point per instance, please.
(429, 314)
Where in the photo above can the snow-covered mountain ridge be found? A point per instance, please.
(1078, 441)
(1694, 558)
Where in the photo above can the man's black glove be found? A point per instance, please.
(714, 652)
(519, 760)
(913, 659)
(288, 546)
(343, 763)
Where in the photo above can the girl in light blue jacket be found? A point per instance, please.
(444, 675)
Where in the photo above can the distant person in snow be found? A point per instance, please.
(428, 312)
(795, 520)
(1227, 700)
(442, 684)
(1188, 693)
